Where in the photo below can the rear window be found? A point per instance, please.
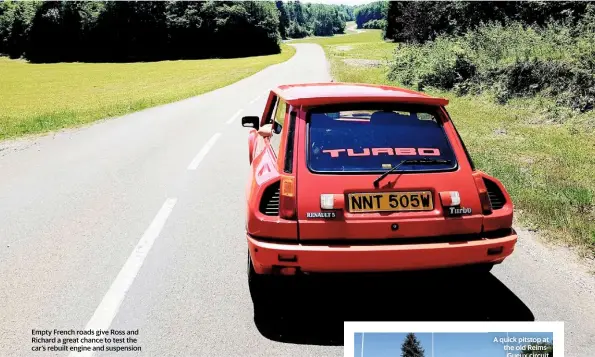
(371, 140)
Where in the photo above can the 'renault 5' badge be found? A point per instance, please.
(321, 215)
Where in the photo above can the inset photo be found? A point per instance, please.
(445, 344)
(456, 339)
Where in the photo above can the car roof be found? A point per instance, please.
(313, 94)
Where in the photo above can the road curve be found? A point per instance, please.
(138, 223)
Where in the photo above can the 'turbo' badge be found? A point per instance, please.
(459, 211)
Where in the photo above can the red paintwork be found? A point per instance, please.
(270, 236)
(251, 142)
(378, 258)
(310, 94)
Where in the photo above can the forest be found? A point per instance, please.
(128, 31)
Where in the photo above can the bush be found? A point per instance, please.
(375, 24)
(440, 64)
(509, 61)
(572, 87)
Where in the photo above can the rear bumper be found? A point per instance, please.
(269, 257)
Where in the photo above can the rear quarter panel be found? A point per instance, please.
(264, 171)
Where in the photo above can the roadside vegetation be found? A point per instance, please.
(72, 62)
(521, 93)
(37, 98)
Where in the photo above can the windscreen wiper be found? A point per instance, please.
(427, 161)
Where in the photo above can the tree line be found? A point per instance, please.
(371, 15)
(298, 20)
(125, 31)
(421, 21)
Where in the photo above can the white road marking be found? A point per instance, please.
(109, 306)
(230, 120)
(255, 99)
(203, 152)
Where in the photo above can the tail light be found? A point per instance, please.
(450, 198)
(484, 197)
(287, 204)
(332, 201)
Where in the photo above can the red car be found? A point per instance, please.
(365, 178)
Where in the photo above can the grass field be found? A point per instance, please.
(36, 98)
(548, 169)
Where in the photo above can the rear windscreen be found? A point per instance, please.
(376, 140)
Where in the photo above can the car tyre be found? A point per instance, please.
(480, 269)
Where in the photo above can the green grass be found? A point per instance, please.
(366, 45)
(549, 169)
(36, 98)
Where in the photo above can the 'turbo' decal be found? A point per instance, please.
(384, 151)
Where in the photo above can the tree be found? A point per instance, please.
(311, 19)
(368, 12)
(15, 22)
(393, 13)
(411, 347)
(283, 19)
(346, 12)
(544, 349)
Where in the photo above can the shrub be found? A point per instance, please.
(375, 24)
(441, 64)
(296, 31)
(509, 61)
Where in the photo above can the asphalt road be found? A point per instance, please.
(131, 224)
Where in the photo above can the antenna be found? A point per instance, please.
(362, 354)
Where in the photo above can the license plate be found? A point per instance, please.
(390, 202)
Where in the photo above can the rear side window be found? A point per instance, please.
(374, 140)
(278, 122)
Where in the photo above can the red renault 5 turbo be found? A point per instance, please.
(363, 178)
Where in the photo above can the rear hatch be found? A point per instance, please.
(347, 148)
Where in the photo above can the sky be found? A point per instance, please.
(445, 344)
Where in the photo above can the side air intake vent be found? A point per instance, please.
(496, 196)
(269, 204)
